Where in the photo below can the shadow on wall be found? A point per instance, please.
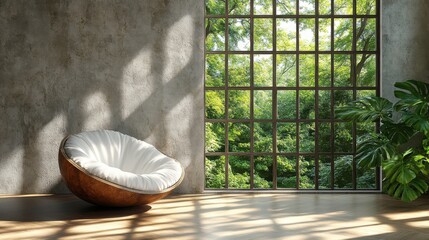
(72, 66)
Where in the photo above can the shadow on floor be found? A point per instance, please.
(59, 208)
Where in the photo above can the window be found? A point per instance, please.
(275, 71)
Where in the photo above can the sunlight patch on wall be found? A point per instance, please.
(135, 73)
(12, 168)
(181, 114)
(180, 33)
(96, 112)
(51, 134)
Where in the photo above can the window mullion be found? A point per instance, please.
(297, 127)
(226, 95)
(316, 97)
(274, 105)
(252, 99)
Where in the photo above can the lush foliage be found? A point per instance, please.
(405, 163)
(240, 120)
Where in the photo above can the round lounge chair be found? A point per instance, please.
(109, 168)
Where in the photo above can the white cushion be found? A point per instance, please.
(123, 160)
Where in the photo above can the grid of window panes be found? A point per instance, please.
(275, 71)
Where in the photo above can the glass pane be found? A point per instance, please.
(306, 7)
(286, 70)
(324, 172)
(263, 7)
(366, 70)
(215, 70)
(366, 34)
(343, 167)
(263, 135)
(324, 34)
(343, 34)
(239, 137)
(238, 70)
(286, 172)
(239, 104)
(324, 104)
(324, 70)
(363, 129)
(263, 70)
(263, 104)
(263, 175)
(306, 172)
(366, 178)
(366, 7)
(215, 40)
(286, 7)
(263, 34)
(239, 7)
(239, 34)
(306, 104)
(307, 34)
(215, 7)
(343, 7)
(286, 137)
(215, 104)
(342, 70)
(239, 172)
(215, 137)
(343, 138)
(286, 34)
(286, 104)
(325, 137)
(342, 98)
(215, 171)
(307, 68)
(325, 7)
(365, 93)
(306, 137)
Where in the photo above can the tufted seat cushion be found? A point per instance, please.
(123, 160)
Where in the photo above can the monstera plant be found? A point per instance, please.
(401, 147)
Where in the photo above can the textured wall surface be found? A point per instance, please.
(405, 42)
(71, 66)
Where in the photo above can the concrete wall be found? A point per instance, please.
(70, 66)
(405, 42)
(132, 66)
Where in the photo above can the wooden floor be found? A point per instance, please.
(218, 216)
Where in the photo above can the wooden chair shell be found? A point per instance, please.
(101, 192)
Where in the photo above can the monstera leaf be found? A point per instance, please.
(414, 104)
(373, 151)
(404, 178)
(368, 109)
(417, 121)
(413, 95)
(397, 133)
(406, 192)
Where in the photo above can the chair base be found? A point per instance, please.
(96, 191)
